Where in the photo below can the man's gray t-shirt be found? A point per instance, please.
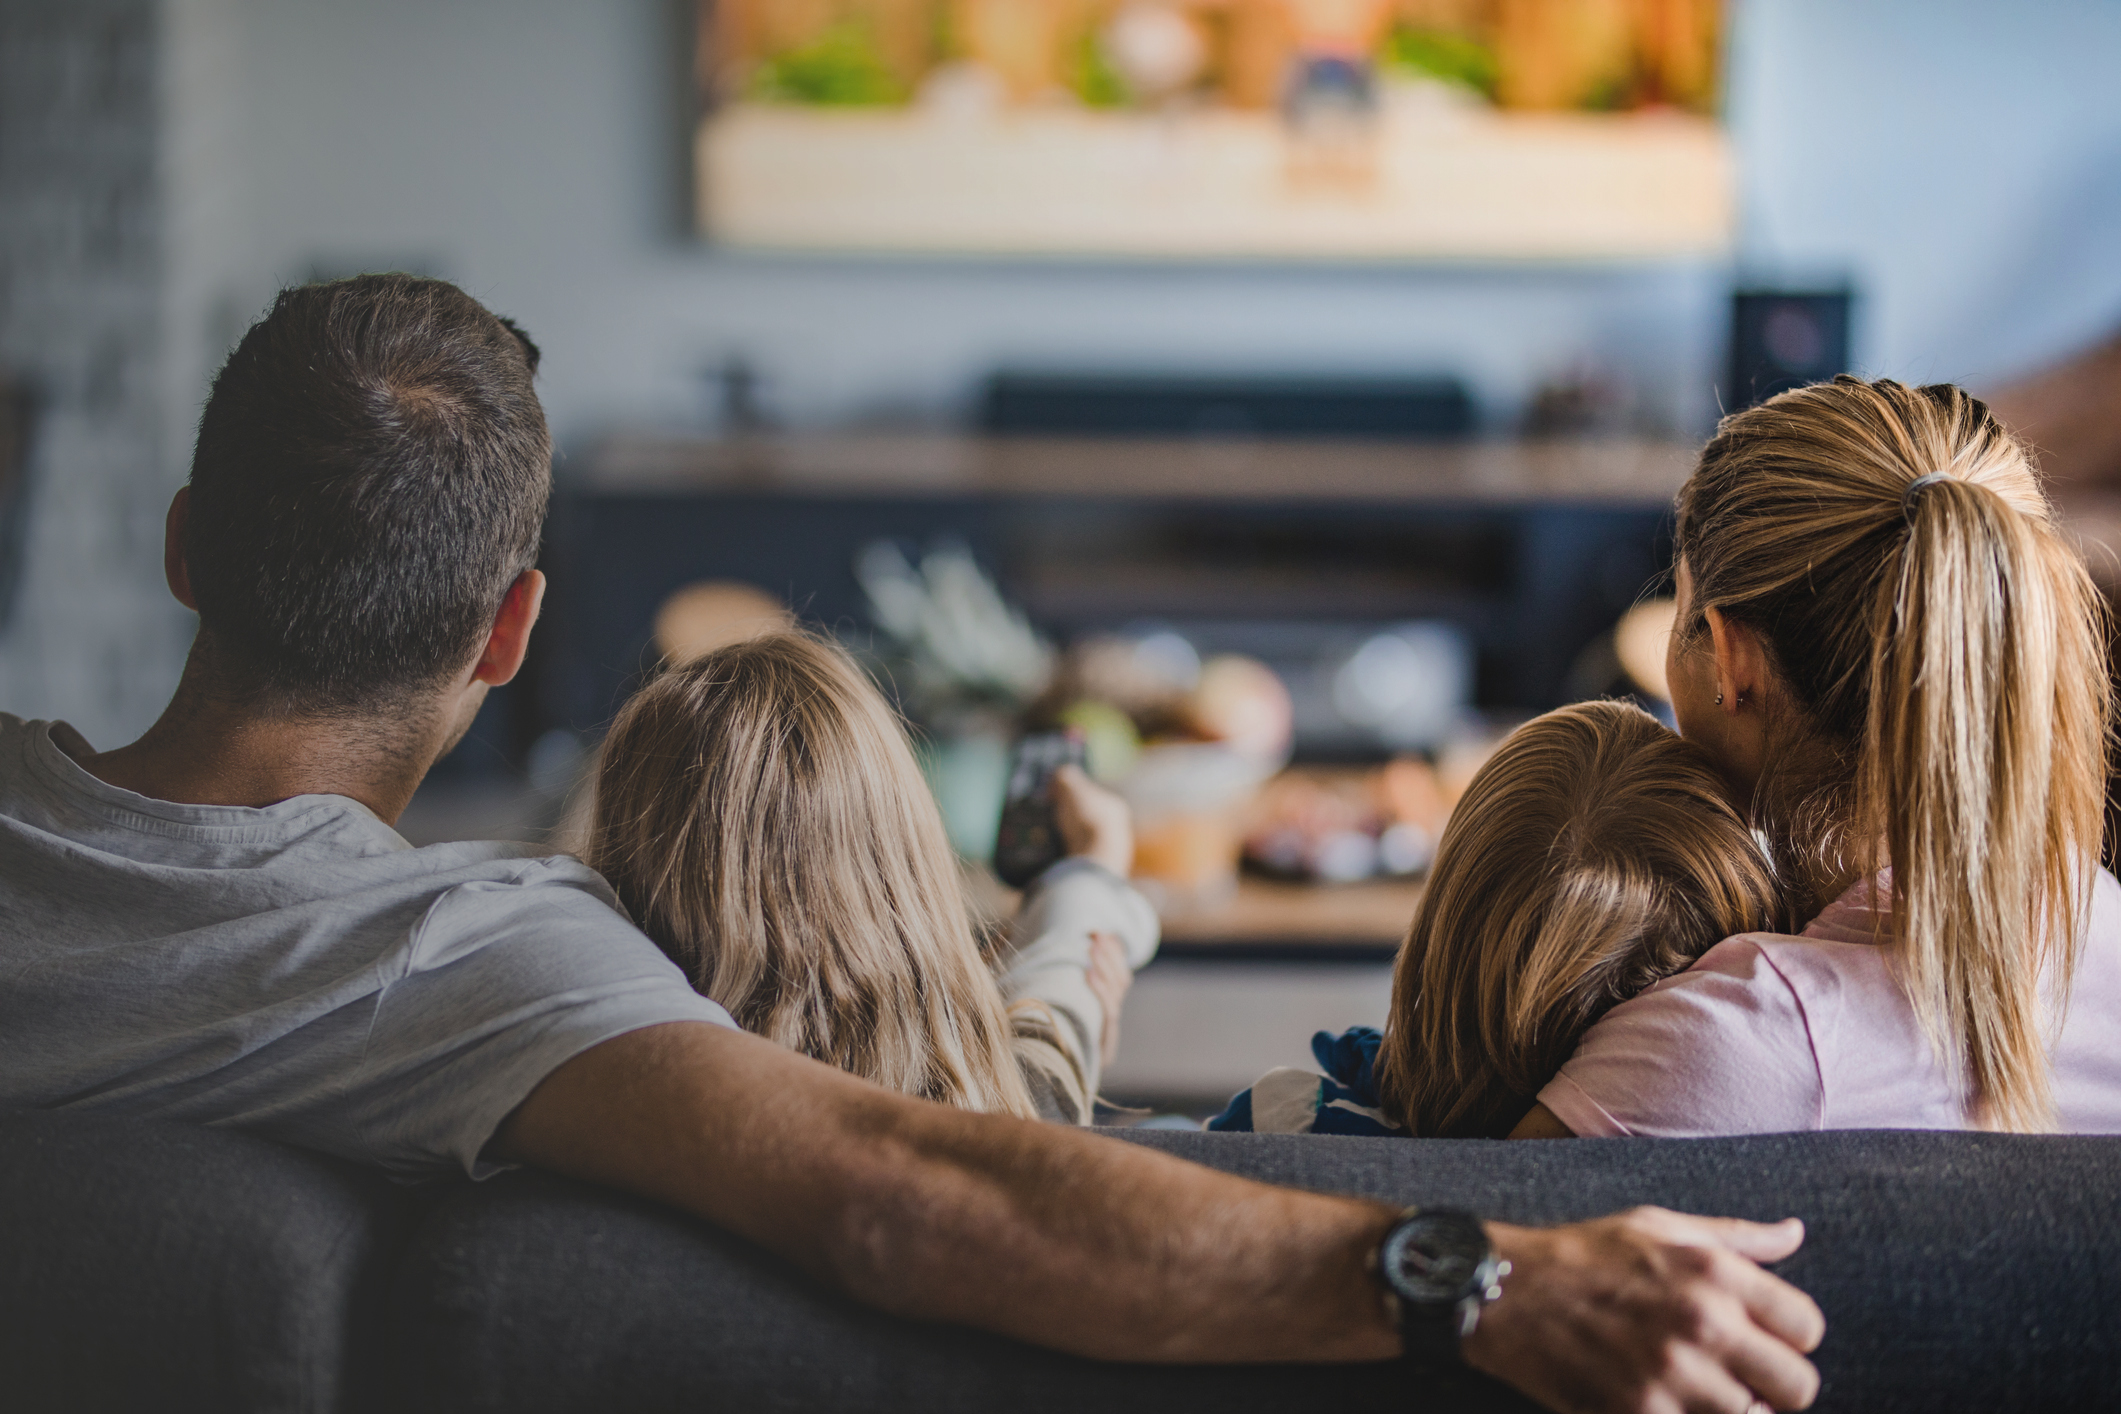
(298, 970)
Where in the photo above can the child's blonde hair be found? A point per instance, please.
(1594, 854)
(760, 813)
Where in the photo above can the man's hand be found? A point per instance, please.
(1651, 1312)
(1094, 822)
(1109, 978)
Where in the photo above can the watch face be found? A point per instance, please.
(1437, 1257)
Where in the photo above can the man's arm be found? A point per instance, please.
(1113, 1251)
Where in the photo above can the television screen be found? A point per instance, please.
(1246, 129)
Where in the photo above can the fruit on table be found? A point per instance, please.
(713, 613)
(1191, 855)
(1111, 745)
(1243, 704)
(1339, 826)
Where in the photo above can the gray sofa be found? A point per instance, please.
(155, 1267)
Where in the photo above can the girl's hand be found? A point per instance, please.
(1094, 822)
(1109, 977)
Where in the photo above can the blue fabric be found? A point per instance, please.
(1350, 1087)
(1347, 1092)
(1236, 1116)
(1350, 1060)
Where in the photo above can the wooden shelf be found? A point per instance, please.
(1465, 184)
(1266, 919)
(1615, 470)
(1267, 916)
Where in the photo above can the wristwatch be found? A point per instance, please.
(1438, 1269)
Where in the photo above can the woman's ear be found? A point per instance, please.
(1741, 664)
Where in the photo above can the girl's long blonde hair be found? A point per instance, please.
(1593, 854)
(760, 813)
(1947, 701)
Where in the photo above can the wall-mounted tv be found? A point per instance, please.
(1242, 129)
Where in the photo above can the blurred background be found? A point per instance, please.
(1287, 395)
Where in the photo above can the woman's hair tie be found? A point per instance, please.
(1907, 497)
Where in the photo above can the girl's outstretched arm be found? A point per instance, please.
(1053, 957)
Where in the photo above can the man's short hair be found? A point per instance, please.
(371, 475)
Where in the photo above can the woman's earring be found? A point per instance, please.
(1719, 699)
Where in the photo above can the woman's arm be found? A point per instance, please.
(1539, 1123)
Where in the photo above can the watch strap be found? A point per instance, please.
(1432, 1330)
(1429, 1333)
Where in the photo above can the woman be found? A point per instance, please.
(1897, 661)
(759, 812)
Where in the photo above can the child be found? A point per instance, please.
(1593, 854)
(759, 812)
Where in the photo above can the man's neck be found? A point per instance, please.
(209, 749)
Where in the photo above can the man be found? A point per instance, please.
(216, 923)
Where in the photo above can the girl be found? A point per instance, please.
(759, 812)
(1898, 663)
(1593, 854)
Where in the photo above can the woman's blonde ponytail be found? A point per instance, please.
(1942, 647)
(1971, 703)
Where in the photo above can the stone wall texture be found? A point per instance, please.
(93, 635)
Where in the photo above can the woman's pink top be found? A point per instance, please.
(1768, 1033)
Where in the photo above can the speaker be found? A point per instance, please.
(1783, 339)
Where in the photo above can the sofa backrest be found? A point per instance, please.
(148, 1266)
(1956, 1270)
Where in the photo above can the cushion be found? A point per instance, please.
(149, 1266)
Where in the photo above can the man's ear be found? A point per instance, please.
(510, 639)
(1741, 662)
(175, 568)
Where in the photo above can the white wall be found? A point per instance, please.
(94, 635)
(207, 189)
(532, 150)
(1959, 159)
